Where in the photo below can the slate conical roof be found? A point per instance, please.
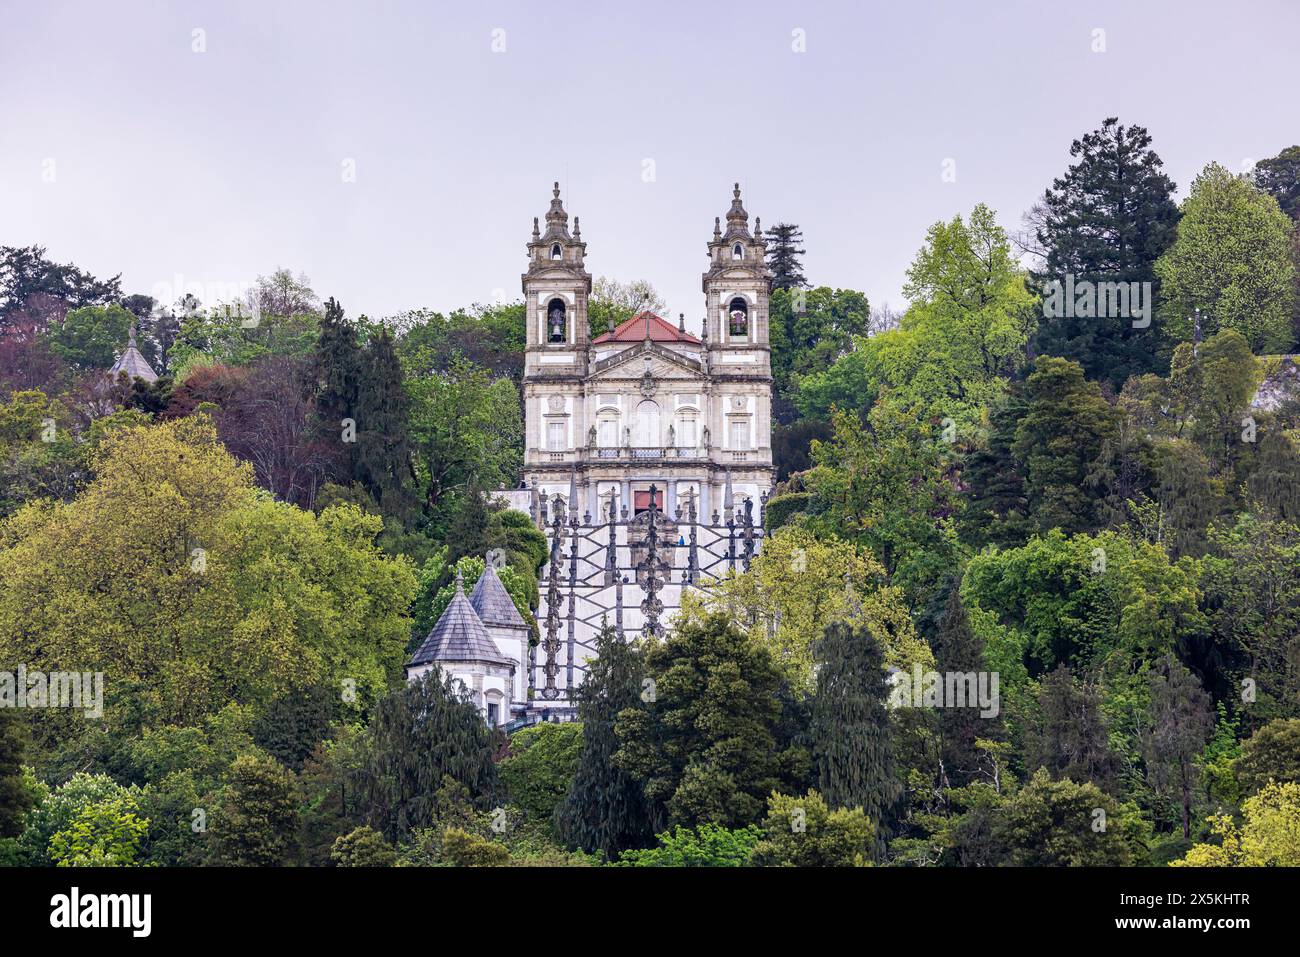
(133, 363)
(493, 603)
(459, 635)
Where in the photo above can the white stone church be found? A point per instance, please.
(647, 462)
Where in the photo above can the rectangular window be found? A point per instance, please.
(555, 437)
(493, 714)
(686, 434)
(739, 435)
(608, 433)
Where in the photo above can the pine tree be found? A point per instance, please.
(257, 820)
(957, 649)
(420, 734)
(1108, 219)
(383, 455)
(850, 727)
(605, 809)
(783, 252)
(996, 509)
(14, 796)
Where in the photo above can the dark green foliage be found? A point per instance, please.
(1070, 739)
(705, 745)
(383, 455)
(26, 271)
(1271, 754)
(1279, 176)
(419, 734)
(781, 508)
(850, 727)
(996, 508)
(605, 809)
(256, 819)
(1060, 435)
(1108, 219)
(15, 798)
(957, 649)
(291, 726)
(783, 254)
(339, 372)
(1051, 823)
(792, 444)
(1179, 722)
(1275, 481)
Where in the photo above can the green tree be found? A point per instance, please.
(1065, 423)
(364, 847)
(540, 767)
(1270, 836)
(1270, 754)
(256, 818)
(959, 650)
(92, 337)
(709, 845)
(703, 740)
(1108, 219)
(383, 457)
(1071, 739)
(605, 808)
(783, 252)
(15, 798)
(1051, 823)
(104, 834)
(1279, 177)
(1232, 260)
(420, 734)
(805, 831)
(339, 372)
(1179, 722)
(851, 745)
(26, 271)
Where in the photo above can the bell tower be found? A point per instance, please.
(736, 288)
(556, 287)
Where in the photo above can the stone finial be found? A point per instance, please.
(460, 583)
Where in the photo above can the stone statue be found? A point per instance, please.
(591, 437)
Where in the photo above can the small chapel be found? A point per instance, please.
(647, 462)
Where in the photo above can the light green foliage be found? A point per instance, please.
(539, 767)
(1270, 754)
(803, 832)
(796, 585)
(92, 337)
(809, 329)
(58, 811)
(965, 332)
(1232, 259)
(709, 845)
(1269, 837)
(1056, 824)
(363, 847)
(275, 598)
(104, 834)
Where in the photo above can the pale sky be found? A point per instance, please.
(124, 150)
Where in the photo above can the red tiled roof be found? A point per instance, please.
(635, 329)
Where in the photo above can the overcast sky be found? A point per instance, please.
(124, 150)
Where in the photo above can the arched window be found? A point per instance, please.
(737, 251)
(556, 251)
(555, 321)
(738, 314)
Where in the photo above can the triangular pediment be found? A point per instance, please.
(665, 364)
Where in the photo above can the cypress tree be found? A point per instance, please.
(783, 254)
(383, 455)
(850, 727)
(1275, 484)
(420, 735)
(605, 809)
(1071, 738)
(338, 373)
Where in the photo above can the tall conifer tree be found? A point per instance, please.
(783, 252)
(383, 455)
(605, 809)
(850, 727)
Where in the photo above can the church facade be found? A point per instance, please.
(647, 460)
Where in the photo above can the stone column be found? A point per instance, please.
(627, 495)
(670, 502)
